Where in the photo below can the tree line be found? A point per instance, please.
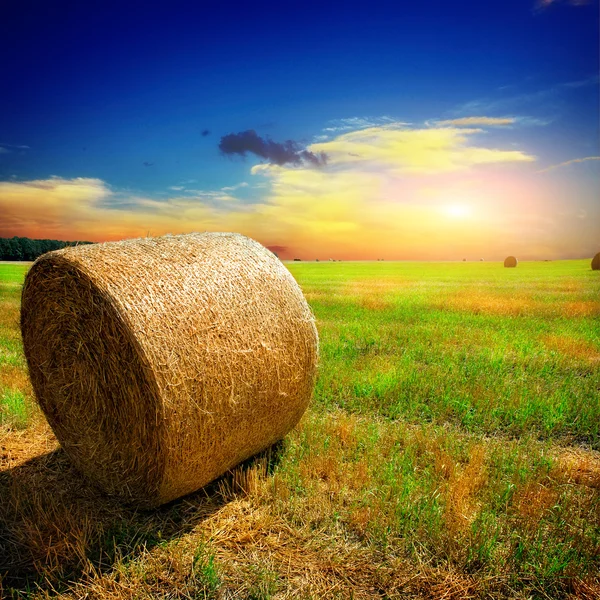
(23, 248)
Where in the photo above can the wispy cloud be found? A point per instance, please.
(569, 162)
(478, 121)
(8, 148)
(541, 99)
(505, 122)
(542, 5)
(354, 123)
(232, 188)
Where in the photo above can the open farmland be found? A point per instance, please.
(452, 449)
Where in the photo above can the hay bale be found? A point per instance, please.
(596, 262)
(161, 363)
(510, 262)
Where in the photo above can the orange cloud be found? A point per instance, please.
(87, 209)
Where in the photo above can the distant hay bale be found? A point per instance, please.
(596, 262)
(161, 363)
(510, 261)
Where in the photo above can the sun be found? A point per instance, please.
(458, 211)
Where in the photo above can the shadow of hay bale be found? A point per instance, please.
(56, 527)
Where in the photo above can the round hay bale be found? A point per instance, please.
(510, 261)
(161, 363)
(596, 262)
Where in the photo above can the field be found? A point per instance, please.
(451, 450)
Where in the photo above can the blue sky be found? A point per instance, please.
(121, 93)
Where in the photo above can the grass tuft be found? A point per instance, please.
(14, 411)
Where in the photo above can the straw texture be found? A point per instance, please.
(596, 262)
(161, 363)
(510, 261)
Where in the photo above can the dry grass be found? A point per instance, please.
(572, 348)
(463, 485)
(531, 502)
(578, 466)
(482, 302)
(253, 530)
(15, 378)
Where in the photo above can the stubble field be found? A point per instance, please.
(451, 450)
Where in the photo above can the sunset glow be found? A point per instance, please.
(458, 211)
(414, 159)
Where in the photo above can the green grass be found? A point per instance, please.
(205, 572)
(11, 349)
(450, 448)
(486, 348)
(13, 408)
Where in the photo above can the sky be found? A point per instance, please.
(397, 130)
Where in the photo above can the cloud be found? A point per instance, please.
(205, 132)
(544, 98)
(46, 208)
(403, 150)
(87, 208)
(148, 164)
(477, 121)
(542, 5)
(288, 152)
(490, 121)
(232, 188)
(592, 80)
(354, 123)
(7, 148)
(569, 162)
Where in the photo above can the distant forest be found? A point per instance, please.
(22, 248)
